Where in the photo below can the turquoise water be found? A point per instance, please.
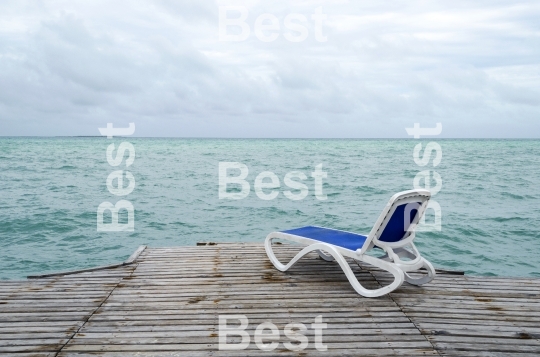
(50, 189)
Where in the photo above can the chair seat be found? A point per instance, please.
(335, 237)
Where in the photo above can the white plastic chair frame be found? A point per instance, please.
(392, 262)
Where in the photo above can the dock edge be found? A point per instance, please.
(128, 261)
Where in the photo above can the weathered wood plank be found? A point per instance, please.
(167, 303)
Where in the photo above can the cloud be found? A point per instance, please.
(67, 68)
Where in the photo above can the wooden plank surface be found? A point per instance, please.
(168, 303)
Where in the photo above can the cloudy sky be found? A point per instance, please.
(69, 67)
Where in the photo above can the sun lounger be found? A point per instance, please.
(393, 232)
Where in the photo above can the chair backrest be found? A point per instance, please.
(398, 219)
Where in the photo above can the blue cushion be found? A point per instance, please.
(332, 236)
(397, 226)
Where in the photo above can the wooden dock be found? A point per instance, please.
(166, 302)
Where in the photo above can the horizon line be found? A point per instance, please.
(269, 138)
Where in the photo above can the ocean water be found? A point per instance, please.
(50, 189)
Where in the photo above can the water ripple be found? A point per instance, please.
(50, 191)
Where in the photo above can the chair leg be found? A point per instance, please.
(325, 256)
(396, 272)
(424, 279)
